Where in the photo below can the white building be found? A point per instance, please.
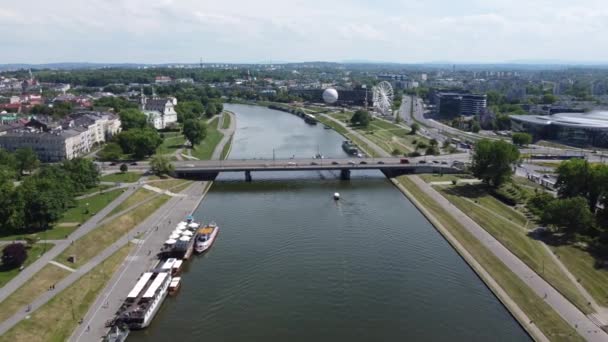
(160, 112)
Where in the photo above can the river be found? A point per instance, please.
(290, 264)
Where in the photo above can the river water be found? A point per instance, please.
(290, 264)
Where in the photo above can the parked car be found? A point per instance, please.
(363, 162)
(350, 162)
(404, 161)
(422, 162)
(435, 162)
(335, 163)
(133, 163)
(443, 162)
(292, 164)
(314, 163)
(381, 162)
(112, 163)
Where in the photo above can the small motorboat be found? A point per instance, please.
(336, 196)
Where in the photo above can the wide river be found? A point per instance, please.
(290, 264)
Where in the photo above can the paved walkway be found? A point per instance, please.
(571, 314)
(140, 260)
(228, 132)
(61, 245)
(363, 138)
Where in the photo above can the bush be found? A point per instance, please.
(14, 255)
(414, 154)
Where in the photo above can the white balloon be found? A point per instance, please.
(330, 95)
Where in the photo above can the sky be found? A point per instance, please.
(237, 31)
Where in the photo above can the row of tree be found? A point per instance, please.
(41, 199)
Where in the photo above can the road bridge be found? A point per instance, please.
(391, 167)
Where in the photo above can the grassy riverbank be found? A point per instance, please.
(542, 315)
(33, 288)
(57, 319)
(122, 177)
(509, 227)
(94, 242)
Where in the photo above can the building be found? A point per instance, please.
(160, 112)
(454, 104)
(53, 141)
(580, 129)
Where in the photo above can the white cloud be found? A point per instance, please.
(242, 30)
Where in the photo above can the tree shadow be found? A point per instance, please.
(470, 191)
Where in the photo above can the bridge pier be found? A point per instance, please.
(247, 176)
(345, 174)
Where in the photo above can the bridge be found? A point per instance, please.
(391, 167)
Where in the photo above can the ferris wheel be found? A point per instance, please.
(383, 98)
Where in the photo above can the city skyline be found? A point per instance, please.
(233, 31)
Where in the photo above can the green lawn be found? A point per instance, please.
(120, 177)
(32, 255)
(103, 236)
(204, 150)
(138, 196)
(226, 122)
(212, 124)
(507, 226)
(226, 149)
(171, 143)
(581, 265)
(64, 311)
(33, 288)
(98, 188)
(435, 177)
(544, 317)
(87, 207)
(336, 126)
(168, 184)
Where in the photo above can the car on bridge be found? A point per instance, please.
(363, 162)
(350, 162)
(292, 164)
(381, 162)
(335, 163)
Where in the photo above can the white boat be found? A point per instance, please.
(205, 237)
(145, 299)
(336, 196)
(174, 286)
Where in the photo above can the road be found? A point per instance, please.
(570, 313)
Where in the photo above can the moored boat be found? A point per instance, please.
(145, 299)
(205, 237)
(174, 286)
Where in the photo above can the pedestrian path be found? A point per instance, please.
(58, 264)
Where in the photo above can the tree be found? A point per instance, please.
(195, 131)
(576, 177)
(432, 151)
(415, 127)
(189, 110)
(112, 151)
(360, 118)
(211, 109)
(132, 118)
(522, 139)
(570, 215)
(11, 208)
(548, 99)
(140, 142)
(160, 165)
(14, 255)
(8, 159)
(124, 168)
(27, 160)
(45, 200)
(503, 122)
(433, 142)
(475, 128)
(116, 103)
(539, 202)
(83, 173)
(492, 161)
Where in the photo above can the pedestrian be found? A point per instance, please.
(149, 252)
(88, 327)
(29, 308)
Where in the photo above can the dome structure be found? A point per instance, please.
(330, 95)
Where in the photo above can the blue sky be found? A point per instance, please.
(406, 31)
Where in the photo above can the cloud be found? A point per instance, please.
(242, 30)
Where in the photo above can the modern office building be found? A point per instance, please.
(580, 129)
(454, 104)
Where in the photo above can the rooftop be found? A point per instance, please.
(593, 120)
